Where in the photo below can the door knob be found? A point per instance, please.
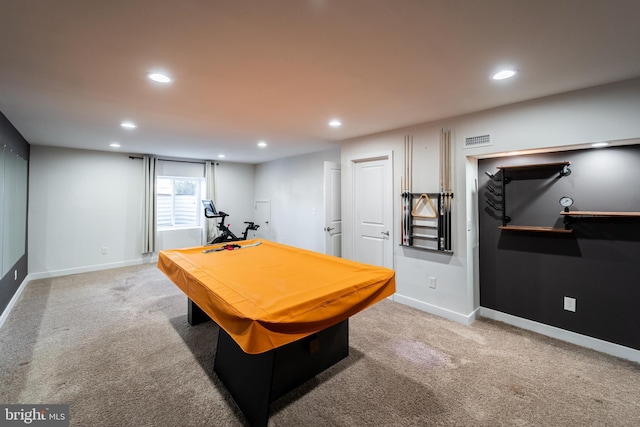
(328, 228)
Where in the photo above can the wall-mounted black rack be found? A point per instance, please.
(508, 173)
(430, 230)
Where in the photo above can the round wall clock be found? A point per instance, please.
(566, 202)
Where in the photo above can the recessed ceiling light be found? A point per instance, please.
(128, 125)
(600, 144)
(504, 74)
(114, 145)
(159, 77)
(262, 144)
(221, 156)
(335, 123)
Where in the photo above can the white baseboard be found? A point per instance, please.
(563, 335)
(90, 268)
(465, 319)
(540, 328)
(14, 299)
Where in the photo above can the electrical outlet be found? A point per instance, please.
(570, 304)
(432, 282)
(105, 250)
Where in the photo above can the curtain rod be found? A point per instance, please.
(200, 162)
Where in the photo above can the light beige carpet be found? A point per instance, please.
(116, 346)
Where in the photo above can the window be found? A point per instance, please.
(179, 201)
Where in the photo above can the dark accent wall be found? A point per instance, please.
(12, 139)
(528, 274)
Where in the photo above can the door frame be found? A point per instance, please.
(327, 195)
(381, 155)
(266, 234)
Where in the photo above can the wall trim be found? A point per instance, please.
(5, 313)
(563, 335)
(465, 319)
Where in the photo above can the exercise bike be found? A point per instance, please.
(226, 235)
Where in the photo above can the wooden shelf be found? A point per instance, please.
(602, 214)
(534, 228)
(535, 166)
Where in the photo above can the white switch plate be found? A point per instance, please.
(570, 304)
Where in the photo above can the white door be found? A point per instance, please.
(332, 210)
(262, 217)
(373, 181)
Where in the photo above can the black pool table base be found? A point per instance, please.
(256, 380)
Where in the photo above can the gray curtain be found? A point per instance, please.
(149, 227)
(209, 229)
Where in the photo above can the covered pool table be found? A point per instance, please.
(282, 311)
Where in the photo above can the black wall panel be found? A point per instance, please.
(528, 274)
(14, 141)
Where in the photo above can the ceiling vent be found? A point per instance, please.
(477, 141)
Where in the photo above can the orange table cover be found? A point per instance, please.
(269, 295)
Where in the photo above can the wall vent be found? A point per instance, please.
(477, 141)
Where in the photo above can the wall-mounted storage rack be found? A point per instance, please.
(509, 173)
(425, 221)
(429, 224)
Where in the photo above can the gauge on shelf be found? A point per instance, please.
(566, 202)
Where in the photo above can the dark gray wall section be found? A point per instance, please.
(528, 274)
(10, 137)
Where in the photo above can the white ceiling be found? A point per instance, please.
(279, 70)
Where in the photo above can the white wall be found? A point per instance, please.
(79, 202)
(598, 114)
(234, 193)
(294, 186)
(186, 237)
